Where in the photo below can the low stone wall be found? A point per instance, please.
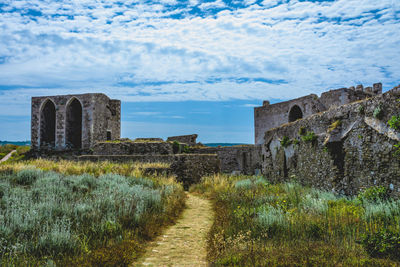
(186, 139)
(245, 159)
(344, 149)
(133, 148)
(189, 168)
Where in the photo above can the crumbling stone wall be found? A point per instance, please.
(186, 139)
(133, 148)
(270, 116)
(352, 148)
(100, 120)
(244, 159)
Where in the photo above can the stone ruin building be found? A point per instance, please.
(65, 122)
(270, 116)
(340, 141)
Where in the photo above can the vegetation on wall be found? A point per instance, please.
(285, 142)
(309, 137)
(394, 122)
(334, 125)
(263, 224)
(378, 112)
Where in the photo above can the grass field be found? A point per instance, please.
(263, 224)
(21, 150)
(82, 214)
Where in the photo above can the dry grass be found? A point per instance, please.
(67, 167)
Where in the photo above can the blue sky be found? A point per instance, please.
(191, 66)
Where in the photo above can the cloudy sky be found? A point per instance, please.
(191, 66)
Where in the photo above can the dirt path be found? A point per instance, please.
(6, 157)
(183, 244)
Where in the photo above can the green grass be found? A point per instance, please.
(19, 155)
(93, 217)
(262, 224)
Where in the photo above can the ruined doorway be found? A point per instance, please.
(295, 113)
(48, 125)
(73, 126)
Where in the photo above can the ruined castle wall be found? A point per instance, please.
(94, 119)
(338, 97)
(132, 148)
(271, 116)
(107, 118)
(186, 139)
(352, 150)
(114, 123)
(245, 159)
(61, 103)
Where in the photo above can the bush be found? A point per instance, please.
(394, 122)
(27, 176)
(285, 142)
(378, 112)
(384, 243)
(309, 137)
(373, 194)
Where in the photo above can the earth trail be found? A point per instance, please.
(183, 244)
(6, 157)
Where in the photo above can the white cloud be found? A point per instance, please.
(139, 53)
(215, 4)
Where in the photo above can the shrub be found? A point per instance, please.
(384, 243)
(394, 122)
(271, 218)
(373, 194)
(378, 112)
(397, 149)
(285, 142)
(309, 137)
(27, 176)
(57, 239)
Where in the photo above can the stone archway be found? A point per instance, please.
(48, 125)
(295, 113)
(73, 125)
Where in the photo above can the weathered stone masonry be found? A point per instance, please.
(269, 116)
(74, 121)
(352, 148)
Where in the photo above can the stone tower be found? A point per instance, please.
(66, 122)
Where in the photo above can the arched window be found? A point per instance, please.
(47, 125)
(295, 113)
(73, 125)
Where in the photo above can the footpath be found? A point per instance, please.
(6, 157)
(183, 244)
